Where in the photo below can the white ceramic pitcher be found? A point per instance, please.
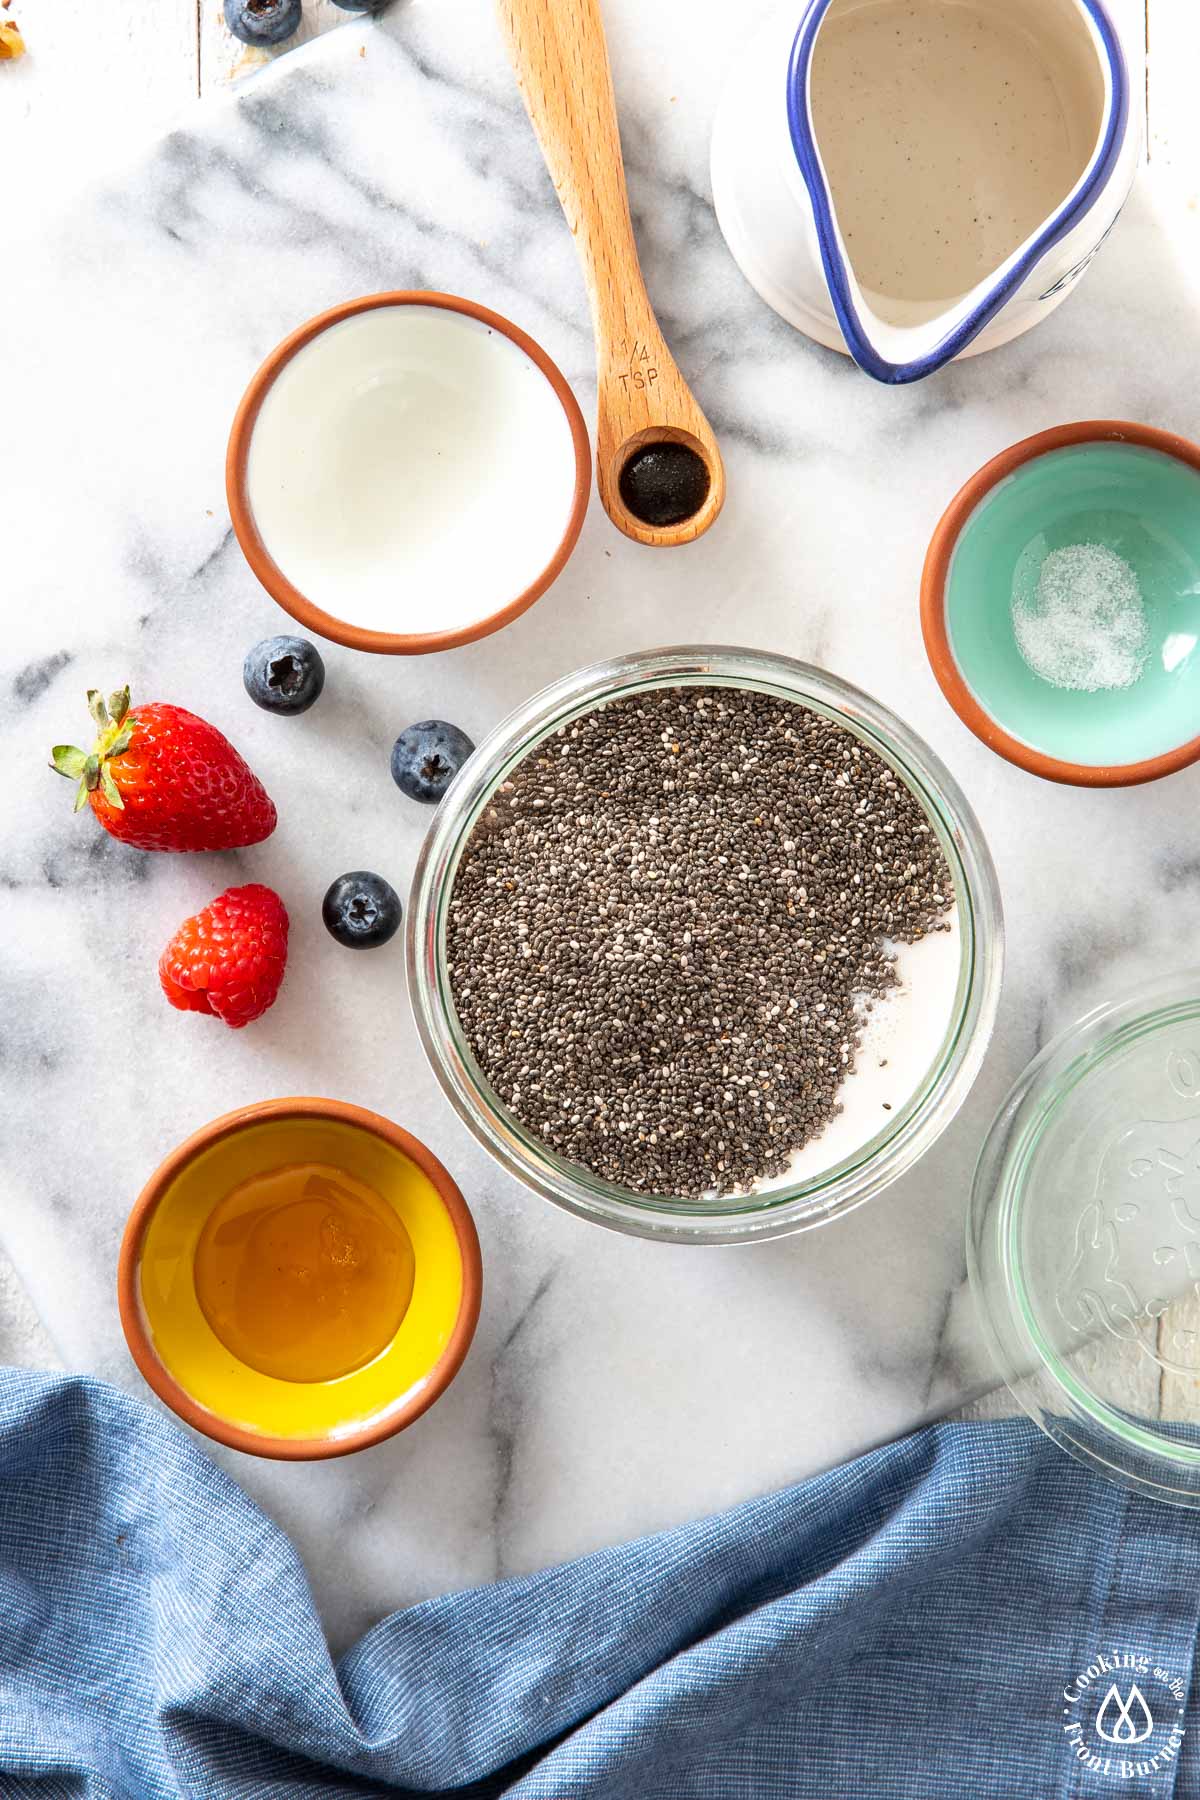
(789, 169)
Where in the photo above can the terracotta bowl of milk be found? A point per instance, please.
(407, 472)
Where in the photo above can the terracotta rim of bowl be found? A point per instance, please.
(137, 1335)
(267, 570)
(933, 604)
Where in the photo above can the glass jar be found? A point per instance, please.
(1084, 1239)
(770, 1211)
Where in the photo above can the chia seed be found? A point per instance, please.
(667, 926)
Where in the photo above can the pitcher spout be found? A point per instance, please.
(895, 351)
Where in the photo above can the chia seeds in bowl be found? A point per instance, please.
(704, 945)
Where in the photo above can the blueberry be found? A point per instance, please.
(367, 6)
(284, 674)
(427, 757)
(262, 21)
(665, 483)
(362, 910)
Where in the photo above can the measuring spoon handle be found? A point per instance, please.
(560, 56)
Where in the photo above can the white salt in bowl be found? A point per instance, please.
(842, 1168)
(1060, 603)
(407, 472)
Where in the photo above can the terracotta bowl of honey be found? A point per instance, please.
(300, 1279)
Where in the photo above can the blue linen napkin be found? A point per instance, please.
(944, 1617)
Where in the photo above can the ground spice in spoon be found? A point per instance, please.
(663, 930)
(664, 484)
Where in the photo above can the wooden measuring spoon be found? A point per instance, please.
(561, 59)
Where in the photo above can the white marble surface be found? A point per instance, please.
(614, 1386)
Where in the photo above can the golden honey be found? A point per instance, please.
(300, 1277)
(304, 1272)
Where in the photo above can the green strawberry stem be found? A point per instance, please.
(91, 770)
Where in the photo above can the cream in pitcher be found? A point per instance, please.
(911, 179)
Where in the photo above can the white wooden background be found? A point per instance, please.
(99, 79)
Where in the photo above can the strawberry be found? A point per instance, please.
(159, 778)
(229, 960)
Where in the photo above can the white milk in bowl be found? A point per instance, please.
(413, 471)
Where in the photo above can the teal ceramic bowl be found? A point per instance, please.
(1061, 604)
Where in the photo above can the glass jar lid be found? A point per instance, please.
(1084, 1239)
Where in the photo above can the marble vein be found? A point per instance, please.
(512, 1367)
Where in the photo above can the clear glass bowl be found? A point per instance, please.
(773, 1211)
(1084, 1239)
